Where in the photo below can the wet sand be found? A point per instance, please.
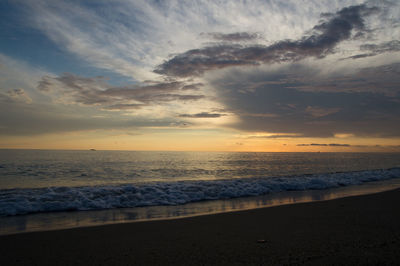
(349, 231)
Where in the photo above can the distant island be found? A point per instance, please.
(93, 149)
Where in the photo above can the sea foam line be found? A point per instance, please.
(24, 201)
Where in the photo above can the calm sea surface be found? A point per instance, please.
(45, 181)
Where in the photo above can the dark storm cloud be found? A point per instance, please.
(96, 91)
(232, 37)
(275, 102)
(322, 40)
(202, 115)
(195, 62)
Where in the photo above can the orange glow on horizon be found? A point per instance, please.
(197, 140)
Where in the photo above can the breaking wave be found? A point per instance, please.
(24, 201)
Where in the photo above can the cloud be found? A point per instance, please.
(126, 106)
(358, 56)
(232, 37)
(320, 42)
(202, 115)
(301, 99)
(377, 79)
(15, 96)
(98, 38)
(195, 86)
(29, 120)
(17, 76)
(20, 116)
(391, 46)
(19, 95)
(320, 112)
(376, 49)
(377, 147)
(317, 75)
(324, 145)
(276, 136)
(96, 91)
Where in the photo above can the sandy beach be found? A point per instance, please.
(357, 230)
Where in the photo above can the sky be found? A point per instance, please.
(262, 75)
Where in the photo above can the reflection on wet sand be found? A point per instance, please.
(63, 220)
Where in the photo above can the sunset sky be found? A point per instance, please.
(200, 75)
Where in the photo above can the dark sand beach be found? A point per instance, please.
(360, 230)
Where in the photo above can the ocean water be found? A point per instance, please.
(34, 181)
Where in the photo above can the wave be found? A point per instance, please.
(52, 199)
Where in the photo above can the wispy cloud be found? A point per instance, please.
(391, 46)
(202, 115)
(96, 91)
(232, 37)
(19, 95)
(376, 49)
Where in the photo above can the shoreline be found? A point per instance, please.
(351, 230)
(51, 221)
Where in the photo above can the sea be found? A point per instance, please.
(51, 181)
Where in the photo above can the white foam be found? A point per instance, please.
(23, 201)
